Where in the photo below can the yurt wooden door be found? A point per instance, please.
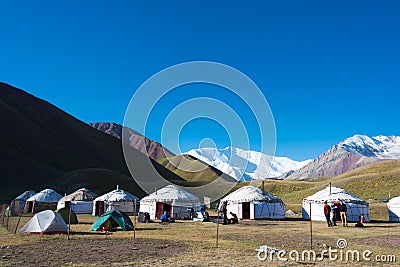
(159, 209)
(246, 210)
(29, 206)
(99, 208)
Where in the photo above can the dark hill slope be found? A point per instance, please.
(39, 143)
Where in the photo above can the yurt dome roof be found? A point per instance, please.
(334, 193)
(82, 194)
(116, 196)
(250, 193)
(171, 193)
(46, 195)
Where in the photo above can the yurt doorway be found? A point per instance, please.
(246, 210)
(29, 207)
(99, 208)
(161, 207)
(67, 204)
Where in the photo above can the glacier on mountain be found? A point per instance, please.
(245, 165)
(382, 147)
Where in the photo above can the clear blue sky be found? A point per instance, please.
(329, 69)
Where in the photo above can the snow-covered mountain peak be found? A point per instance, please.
(246, 164)
(382, 147)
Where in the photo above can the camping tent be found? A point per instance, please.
(171, 198)
(81, 201)
(45, 222)
(115, 200)
(394, 209)
(18, 203)
(356, 207)
(44, 200)
(111, 220)
(250, 202)
(67, 217)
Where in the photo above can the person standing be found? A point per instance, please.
(222, 208)
(203, 210)
(333, 213)
(327, 212)
(343, 211)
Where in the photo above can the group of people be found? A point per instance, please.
(332, 210)
(233, 217)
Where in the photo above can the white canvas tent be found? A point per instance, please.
(18, 203)
(394, 209)
(80, 201)
(356, 207)
(115, 200)
(44, 200)
(250, 202)
(171, 198)
(45, 222)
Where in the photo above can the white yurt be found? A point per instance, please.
(117, 199)
(356, 207)
(45, 222)
(250, 202)
(18, 203)
(394, 209)
(46, 199)
(171, 198)
(80, 201)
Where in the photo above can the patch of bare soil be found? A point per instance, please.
(382, 241)
(93, 251)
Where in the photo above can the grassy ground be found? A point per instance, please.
(187, 243)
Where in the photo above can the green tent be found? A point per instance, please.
(64, 212)
(111, 220)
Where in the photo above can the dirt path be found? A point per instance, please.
(90, 252)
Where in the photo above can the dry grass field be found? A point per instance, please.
(186, 243)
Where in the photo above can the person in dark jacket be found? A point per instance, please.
(327, 212)
(222, 208)
(334, 209)
(343, 211)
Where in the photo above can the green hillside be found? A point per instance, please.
(374, 181)
(193, 170)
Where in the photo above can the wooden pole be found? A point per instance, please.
(3, 213)
(69, 221)
(19, 219)
(310, 228)
(216, 244)
(8, 218)
(134, 220)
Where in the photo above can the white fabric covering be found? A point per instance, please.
(46, 221)
(117, 199)
(263, 205)
(394, 209)
(179, 199)
(26, 195)
(17, 205)
(81, 201)
(355, 206)
(46, 195)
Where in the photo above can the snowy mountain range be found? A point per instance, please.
(353, 152)
(381, 147)
(246, 165)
